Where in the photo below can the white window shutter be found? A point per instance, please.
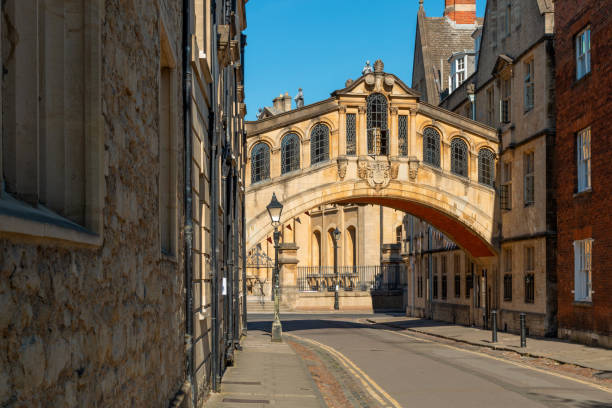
(577, 271)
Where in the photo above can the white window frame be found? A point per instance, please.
(583, 52)
(583, 270)
(583, 159)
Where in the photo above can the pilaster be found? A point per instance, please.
(342, 130)
(393, 134)
(287, 264)
(362, 136)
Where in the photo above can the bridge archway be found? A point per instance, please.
(462, 221)
(415, 173)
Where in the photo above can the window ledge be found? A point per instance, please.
(583, 303)
(582, 193)
(17, 217)
(581, 79)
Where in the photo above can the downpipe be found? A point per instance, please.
(213, 115)
(188, 227)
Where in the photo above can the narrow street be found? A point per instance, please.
(413, 370)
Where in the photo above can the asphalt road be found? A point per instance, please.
(421, 373)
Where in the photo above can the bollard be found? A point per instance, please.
(494, 323)
(523, 330)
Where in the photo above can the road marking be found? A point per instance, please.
(352, 367)
(599, 387)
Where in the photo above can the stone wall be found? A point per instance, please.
(104, 325)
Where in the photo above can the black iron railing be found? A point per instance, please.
(350, 278)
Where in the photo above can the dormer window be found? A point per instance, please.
(458, 72)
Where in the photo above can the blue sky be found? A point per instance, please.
(319, 44)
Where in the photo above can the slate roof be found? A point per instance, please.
(440, 38)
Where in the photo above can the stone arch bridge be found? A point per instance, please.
(375, 142)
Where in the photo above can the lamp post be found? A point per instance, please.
(275, 208)
(336, 235)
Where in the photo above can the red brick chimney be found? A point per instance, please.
(461, 11)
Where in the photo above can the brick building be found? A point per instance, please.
(584, 219)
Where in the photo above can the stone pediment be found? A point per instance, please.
(503, 61)
(375, 82)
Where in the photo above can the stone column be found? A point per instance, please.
(393, 133)
(288, 275)
(412, 135)
(362, 135)
(342, 130)
(342, 243)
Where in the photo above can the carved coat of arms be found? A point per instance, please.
(378, 174)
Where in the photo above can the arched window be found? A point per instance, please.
(431, 146)
(316, 249)
(486, 167)
(319, 144)
(377, 124)
(459, 157)
(290, 153)
(350, 255)
(260, 162)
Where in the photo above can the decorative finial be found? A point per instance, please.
(421, 3)
(299, 99)
(379, 66)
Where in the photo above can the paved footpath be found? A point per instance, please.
(266, 374)
(555, 349)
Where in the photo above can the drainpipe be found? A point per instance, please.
(214, 205)
(430, 267)
(244, 289)
(188, 227)
(412, 263)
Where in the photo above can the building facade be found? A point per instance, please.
(115, 128)
(582, 54)
(444, 54)
(512, 89)
(337, 162)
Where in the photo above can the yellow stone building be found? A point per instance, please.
(359, 161)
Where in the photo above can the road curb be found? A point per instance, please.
(491, 346)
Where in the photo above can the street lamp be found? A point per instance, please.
(336, 235)
(275, 208)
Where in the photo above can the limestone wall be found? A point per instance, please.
(104, 325)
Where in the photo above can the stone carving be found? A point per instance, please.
(389, 81)
(394, 170)
(413, 168)
(370, 80)
(379, 66)
(348, 83)
(342, 108)
(299, 99)
(367, 69)
(378, 174)
(362, 109)
(342, 165)
(393, 110)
